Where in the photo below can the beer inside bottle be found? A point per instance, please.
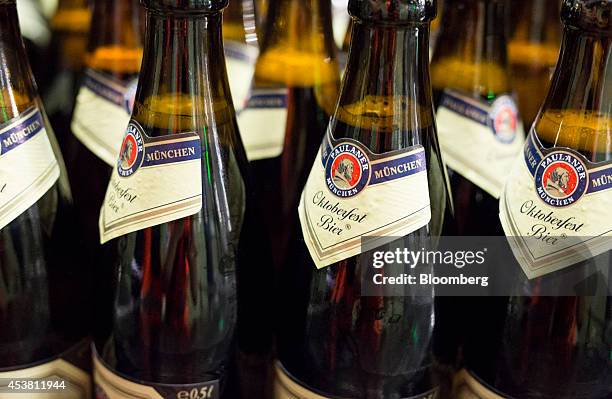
(44, 284)
(334, 340)
(559, 346)
(176, 211)
(479, 127)
(101, 114)
(533, 51)
(296, 83)
(68, 46)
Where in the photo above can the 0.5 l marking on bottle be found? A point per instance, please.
(479, 139)
(102, 111)
(552, 208)
(24, 147)
(352, 192)
(157, 180)
(111, 385)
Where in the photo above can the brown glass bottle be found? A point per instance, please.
(241, 48)
(298, 65)
(44, 283)
(101, 113)
(533, 51)
(470, 59)
(69, 27)
(550, 346)
(333, 340)
(261, 7)
(176, 302)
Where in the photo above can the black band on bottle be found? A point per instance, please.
(186, 6)
(393, 12)
(590, 15)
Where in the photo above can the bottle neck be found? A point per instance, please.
(577, 112)
(71, 16)
(536, 35)
(183, 78)
(115, 42)
(471, 51)
(386, 86)
(537, 21)
(239, 22)
(298, 44)
(17, 87)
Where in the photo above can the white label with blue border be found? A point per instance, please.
(101, 114)
(156, 180)
(28, 167)
(479, 140)
(555, 208)
(263, 122)
(352, 192)
(240, 60)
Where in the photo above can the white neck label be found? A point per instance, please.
(555, 208)
(156, 180)
(479, 140)
(28, 167)
(352, 192)
(101, 114)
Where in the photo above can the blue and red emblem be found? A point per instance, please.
(503, 118)
(347, 170)
(561, 179)
(132, 151)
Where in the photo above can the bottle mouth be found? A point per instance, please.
(588, 15)
(185, 6)
(393, 12)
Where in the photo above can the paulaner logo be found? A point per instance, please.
(504, 119)
(132, 151)
(347, 170)
(561, 179)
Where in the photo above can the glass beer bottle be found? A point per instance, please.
(44, 283)
(68, 46)
(101, 114)
(241, 48)
(533, 51)
(296, 82)
(478, 122)
(336, 339)
(177, 211)
(553, 343)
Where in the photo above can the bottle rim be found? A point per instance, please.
(185, 7)
(393, 12)
(588, 15)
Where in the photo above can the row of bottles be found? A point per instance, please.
(232, 215)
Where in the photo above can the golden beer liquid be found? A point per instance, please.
(484, 78)
(588, 132)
